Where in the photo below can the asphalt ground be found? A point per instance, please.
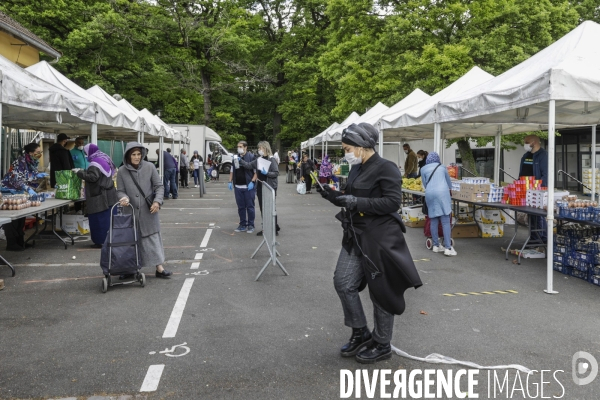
(277, 338)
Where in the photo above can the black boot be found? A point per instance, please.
(375, 352)
(360, 338)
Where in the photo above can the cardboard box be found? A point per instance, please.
(491, 230)
(414, 213)
(415, 224)
(465, 231)
(74, 224)
(479, 197)
(473, 187)
(489, 216)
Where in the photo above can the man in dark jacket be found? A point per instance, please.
(170, 174)
(243, 182)
(535, 160)
(60, 157)
(535, 163)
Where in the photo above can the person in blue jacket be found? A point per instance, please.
(243, 182)
(535, 160)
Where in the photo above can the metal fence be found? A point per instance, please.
(269, 215)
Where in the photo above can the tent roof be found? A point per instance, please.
(108, 117)
(421, 116)
(323, 135)
(32, 103)
(371, 116)
(337, 133)
(567, 71)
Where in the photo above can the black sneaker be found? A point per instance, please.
(164, 274)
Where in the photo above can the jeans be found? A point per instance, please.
(170, 182)
(245, 202)
(445, 219)
(196, 176)
(346, 279)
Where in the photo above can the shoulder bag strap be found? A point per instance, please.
(426, 183)
(136, 184)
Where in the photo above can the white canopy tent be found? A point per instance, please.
(109, 118)
(560, 85)
(336, 134)
(419, 121)
(146, 126)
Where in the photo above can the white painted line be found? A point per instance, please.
(198, 256)
(206, 238)
(152, 378)
(211, 225)
(173, 324)
(196, 265)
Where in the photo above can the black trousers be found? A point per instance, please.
(183, 175)
(308, 182)
(15, 236)
(259, 195)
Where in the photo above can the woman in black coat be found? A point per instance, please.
(374, 251)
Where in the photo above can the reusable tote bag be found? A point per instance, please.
(68, 185)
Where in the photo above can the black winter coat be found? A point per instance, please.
(377, 232)
(60, 160)
(100, 191)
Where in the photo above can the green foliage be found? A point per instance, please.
(284, 70)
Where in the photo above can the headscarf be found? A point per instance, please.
(326, 168)
(22, 173)
(99, 160)
(433, 157)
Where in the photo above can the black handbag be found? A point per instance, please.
(424, 209)
(150, 198)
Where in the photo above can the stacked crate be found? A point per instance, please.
(577, 252)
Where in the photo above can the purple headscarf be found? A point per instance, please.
(99, 160)
(433, 157)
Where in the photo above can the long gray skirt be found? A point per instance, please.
(151, 250)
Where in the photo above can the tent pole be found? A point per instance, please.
(161, 163)
(497, 151)
(143, 127)
(441, 151)
(3, 171)
(550, 214)
(594, 163)
(95, 134)
(436, 137)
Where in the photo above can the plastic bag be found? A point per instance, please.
(301, 188)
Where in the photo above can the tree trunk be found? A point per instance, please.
(466, 155)
(277, 118)
(206, 90)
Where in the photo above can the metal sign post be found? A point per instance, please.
(269, 216)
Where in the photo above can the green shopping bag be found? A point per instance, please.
(68, 185)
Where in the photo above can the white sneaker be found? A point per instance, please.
(450, 252)
(438, 249)
(195, 186)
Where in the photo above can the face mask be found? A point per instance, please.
(37, 156)
(80, 148)
(406, 151)
(527, 147)
(240, 150)
(261, 153)
(352, 160)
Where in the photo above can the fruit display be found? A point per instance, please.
(413, 184)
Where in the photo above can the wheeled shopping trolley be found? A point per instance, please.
(427, 232)
(120, 254)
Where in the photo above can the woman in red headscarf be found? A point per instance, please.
(100, 192)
